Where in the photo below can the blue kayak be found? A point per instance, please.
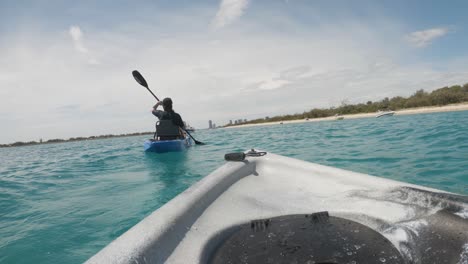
(162, 146)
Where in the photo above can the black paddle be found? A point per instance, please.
(139, 78)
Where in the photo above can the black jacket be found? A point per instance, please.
(170, 115)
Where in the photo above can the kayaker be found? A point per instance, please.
(168, 113)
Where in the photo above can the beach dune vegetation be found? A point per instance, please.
(439, 97)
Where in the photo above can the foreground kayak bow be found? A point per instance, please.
(281, 210)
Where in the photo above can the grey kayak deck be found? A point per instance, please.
(416, 220)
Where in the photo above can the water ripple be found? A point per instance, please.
(61, 203)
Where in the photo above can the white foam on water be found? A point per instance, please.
(463, 213)
(415, 204)
(464, 255)
(396, 235)
(402, 234)
(399, 237)
(414, 226)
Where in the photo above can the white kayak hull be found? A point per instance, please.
(187, 229)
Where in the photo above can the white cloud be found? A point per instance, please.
(77, 37)
(423, 38)
(229, 11)
(93, 61)
(272, 84)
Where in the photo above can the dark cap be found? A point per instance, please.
(167, 102)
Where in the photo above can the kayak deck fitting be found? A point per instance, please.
(281, 210)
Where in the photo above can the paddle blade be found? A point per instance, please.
(199, 142)
(194, 140)
(139, 78)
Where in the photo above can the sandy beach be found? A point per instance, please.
(410, 111)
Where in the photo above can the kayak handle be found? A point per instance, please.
(240, 156)
(254, 153)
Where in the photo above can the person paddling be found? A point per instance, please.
(168, 113)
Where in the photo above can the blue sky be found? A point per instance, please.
(65, 65)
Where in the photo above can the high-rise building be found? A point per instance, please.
(210, 124)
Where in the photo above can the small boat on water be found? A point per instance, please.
(162, 146)
(266, 208)
(339, 117)
(384, 113)
(189, 128)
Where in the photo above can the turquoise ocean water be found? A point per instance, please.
(61, 203)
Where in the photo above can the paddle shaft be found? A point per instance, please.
(152, 94)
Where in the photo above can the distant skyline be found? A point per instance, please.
(66, 66)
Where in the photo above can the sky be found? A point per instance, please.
(65, 66)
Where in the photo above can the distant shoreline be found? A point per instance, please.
(55, 141)
(408, 111)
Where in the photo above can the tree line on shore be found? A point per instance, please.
(58, 140)
(443, 96)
